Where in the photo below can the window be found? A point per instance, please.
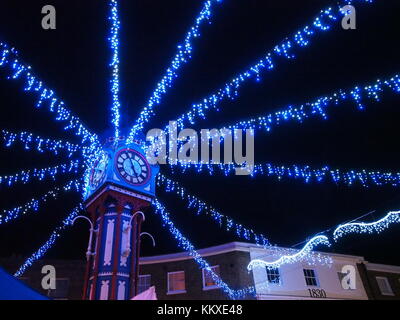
(208, 282)
(144, 283)
(61, 290)
(176, 282)
(384, 286)
(310, 277)
(273, 276)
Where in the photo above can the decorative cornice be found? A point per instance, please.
(110, 187)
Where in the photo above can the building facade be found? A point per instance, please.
(382, 282)
(178, 277)
(307, 280)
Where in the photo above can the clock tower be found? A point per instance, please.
(119, 187)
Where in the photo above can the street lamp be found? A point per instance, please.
(128, 229)
(148, 234)
(91, 230)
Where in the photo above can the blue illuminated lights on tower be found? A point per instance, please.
(114, 43)
(182, 57)
(119, 168)
(123, 165)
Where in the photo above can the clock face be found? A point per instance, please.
(99, 172)
(132, 167)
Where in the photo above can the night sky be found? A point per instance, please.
(73, 60)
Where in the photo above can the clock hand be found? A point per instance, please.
(133, 168)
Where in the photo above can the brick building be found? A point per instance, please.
(382, 282)
(177, 276)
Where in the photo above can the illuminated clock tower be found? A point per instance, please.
(120, 186)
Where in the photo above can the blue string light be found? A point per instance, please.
(182, 57)
(18, 70)
(50, 242)
(114, 43)
(319, 107)
(222, 220)
(40, 174)
(285, 50)
(34, 204)
(186, 245)
(41, 144)
(306, 173)
(304, 254)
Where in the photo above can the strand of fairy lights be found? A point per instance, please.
(286, 49)
(50, 242)
(301, 172)
(305, 252)
(31, 141)
(18, 70)
(182, 57)
(34, 204)
(114, 43)
(282, 50)
(393, 217)
(40, 174)
(249, 235)
(363, 227)
(186, 245)
(202, 207)
(165, 216)
(319, 107)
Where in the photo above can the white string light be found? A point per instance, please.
(306, 253)
(363, 227)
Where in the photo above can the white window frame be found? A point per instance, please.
(386, 280)
(176, 291)
(315, 276)
(144, 275)
(205, 288)
(279, 283)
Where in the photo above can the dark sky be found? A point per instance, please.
(73, 60)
